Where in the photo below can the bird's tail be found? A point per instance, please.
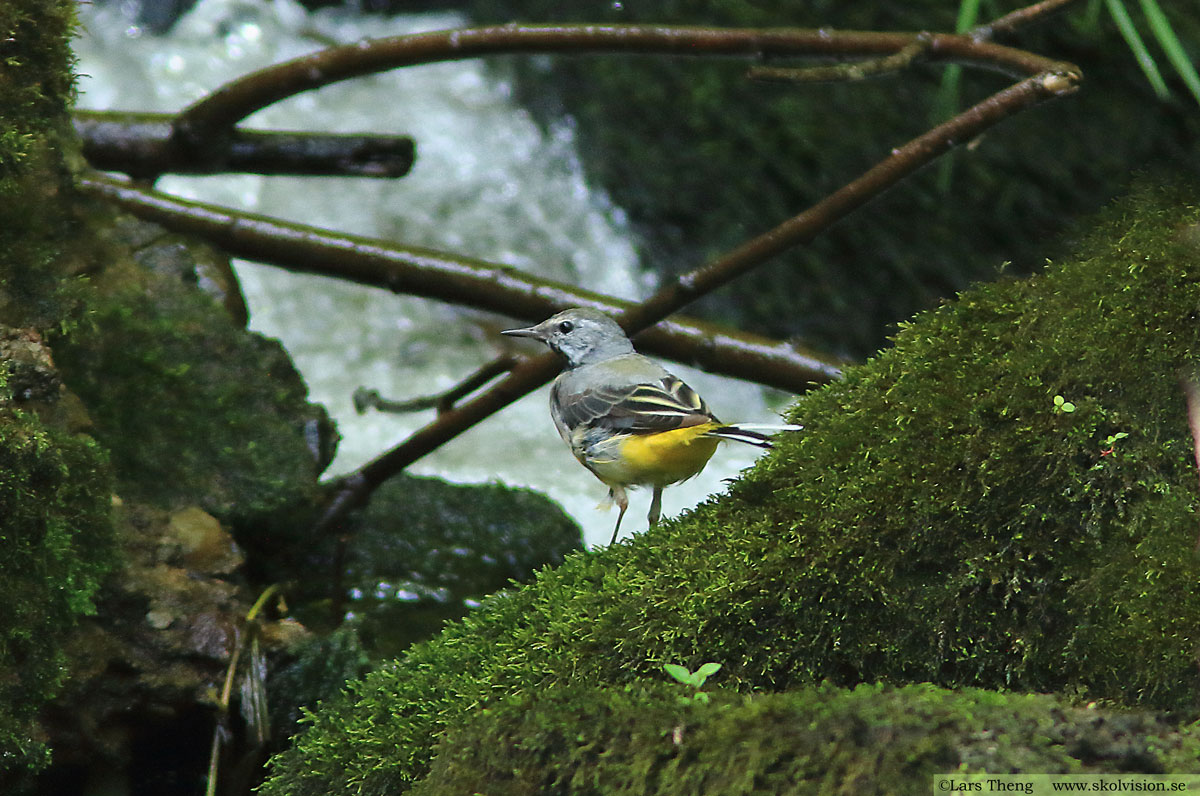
(750, 433)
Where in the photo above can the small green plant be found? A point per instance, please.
(1110, 443)
(1063, 405)
(694, 679)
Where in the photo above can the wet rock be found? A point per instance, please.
(153, 661)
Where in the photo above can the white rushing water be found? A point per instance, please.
(488, 183)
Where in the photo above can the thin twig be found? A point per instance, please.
(1009, 23)
(226, 695)
(352, 491)
(464, 281)
(1191, 394)
(141, 145)
(365, 399)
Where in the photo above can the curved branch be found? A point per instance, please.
(464, 281)
(220, 111)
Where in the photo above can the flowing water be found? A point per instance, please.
(488, 183)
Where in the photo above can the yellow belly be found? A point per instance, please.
(657, 459)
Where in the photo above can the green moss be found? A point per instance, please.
(702, 158)
(55, 544)
(55, 487)
(938, 520)
(36, 139)
(319, 669)
(640, 739)
(37, 59)
(194, 410)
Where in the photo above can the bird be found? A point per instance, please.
(626, 418)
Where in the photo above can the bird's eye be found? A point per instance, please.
(566, 327)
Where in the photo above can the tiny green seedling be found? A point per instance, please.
(1110, 443)
(1063, 405)
(694, 679)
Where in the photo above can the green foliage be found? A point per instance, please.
(694, 680)
(635, 739)
(1063, 405)
(1164, 33)
(56, 542)
(934, 522)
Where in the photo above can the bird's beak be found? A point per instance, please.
(531, 331)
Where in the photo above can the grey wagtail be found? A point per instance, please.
(626, 418)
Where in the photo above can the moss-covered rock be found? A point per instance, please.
(147, 670)
(319, 669)
(194, 410)
(421, 553)
(188, 409)
(940, 519)
(55, 484)
(424, 551)
(38, 271)
(645, 740)
(55, 545)
(702, 158)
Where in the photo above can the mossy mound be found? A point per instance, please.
(56, 542)
(940, 519)
(648, 740)
(702, 158)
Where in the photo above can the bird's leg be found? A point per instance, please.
(655, 506)
(618, 495)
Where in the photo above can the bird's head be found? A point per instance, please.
(581, 335)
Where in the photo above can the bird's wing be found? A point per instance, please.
(645, 408)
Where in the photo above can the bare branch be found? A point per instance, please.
(464, 281)
(1009, 23)
(203, 122)
(353, 490)
(141, 145)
